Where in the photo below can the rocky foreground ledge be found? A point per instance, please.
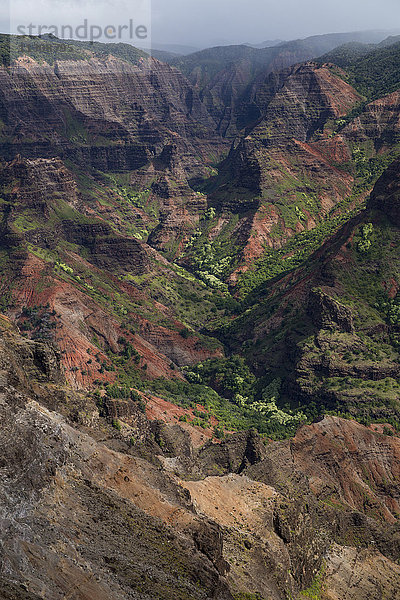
(85, 515)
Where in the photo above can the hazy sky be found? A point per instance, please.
(254, 21)
(211, 22)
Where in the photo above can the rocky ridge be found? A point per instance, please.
(140, 529)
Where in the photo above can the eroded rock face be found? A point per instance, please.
(230, 78)
(299, 102)
(112, 116)
(40, 185)
(84, 519)
(107, 250)
(305, 98)
(379, 122)
(287, 160)
(324, 327)
(65, 110)
(298, 160)
(70, 524)
(363, 574)
(44, 209)
(328, 313)
(351, 465)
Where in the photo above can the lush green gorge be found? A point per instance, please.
(279, 360)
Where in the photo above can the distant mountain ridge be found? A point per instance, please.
(267, 44)
(224, 75)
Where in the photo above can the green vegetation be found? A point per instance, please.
(314, 591)
(121, 391)
(41, 50)
(229, 413)
(232, 394)
(49, 49)
(115, 191)
(212, 261)
(295, 252)
(116, 424)
(347, 54)
(366, 279)
(369, 167)
(365, 243)
(125, 52)
(373, 71)
(299, 248)
(26, 221)
(376, 73)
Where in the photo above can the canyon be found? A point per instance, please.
(87, 515)
(199, 330)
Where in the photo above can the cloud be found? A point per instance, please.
(209, 22)
(193, 21)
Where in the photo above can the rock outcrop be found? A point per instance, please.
(66, 110)
(93, 518)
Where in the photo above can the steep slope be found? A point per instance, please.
(96, 154)
(64, 109)
(225, 75)
(73, 528)
(82, 239)
(301, 169)
(70, 275)
(289, 171)
(111, 113)
(299, 159)
(329, 329)
(97, 517)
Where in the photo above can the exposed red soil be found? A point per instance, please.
(79, 318)
(161, 410)
(349, 463)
